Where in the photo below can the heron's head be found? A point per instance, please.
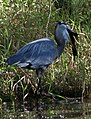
(66, 34)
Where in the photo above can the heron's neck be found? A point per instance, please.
(60, 39)
(60, 47)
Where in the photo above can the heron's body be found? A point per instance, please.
(39, 54)
(35, 55)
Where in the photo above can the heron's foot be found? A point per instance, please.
(38, 92)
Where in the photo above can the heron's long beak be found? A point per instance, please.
(73, 43)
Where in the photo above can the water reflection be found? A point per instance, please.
(46, 109)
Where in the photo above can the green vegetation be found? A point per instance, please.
(22, 21)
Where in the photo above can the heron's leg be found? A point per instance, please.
(39, 75)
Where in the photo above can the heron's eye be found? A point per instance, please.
(68, 27)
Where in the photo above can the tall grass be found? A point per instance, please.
(22, 21)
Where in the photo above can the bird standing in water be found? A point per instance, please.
(39, 54)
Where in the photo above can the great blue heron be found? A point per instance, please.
(39, 54)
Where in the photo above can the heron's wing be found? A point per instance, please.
(37, 54)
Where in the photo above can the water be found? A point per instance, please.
(46, 109)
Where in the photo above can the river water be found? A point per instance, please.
(46, 109)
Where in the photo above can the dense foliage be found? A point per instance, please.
(22, 21)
